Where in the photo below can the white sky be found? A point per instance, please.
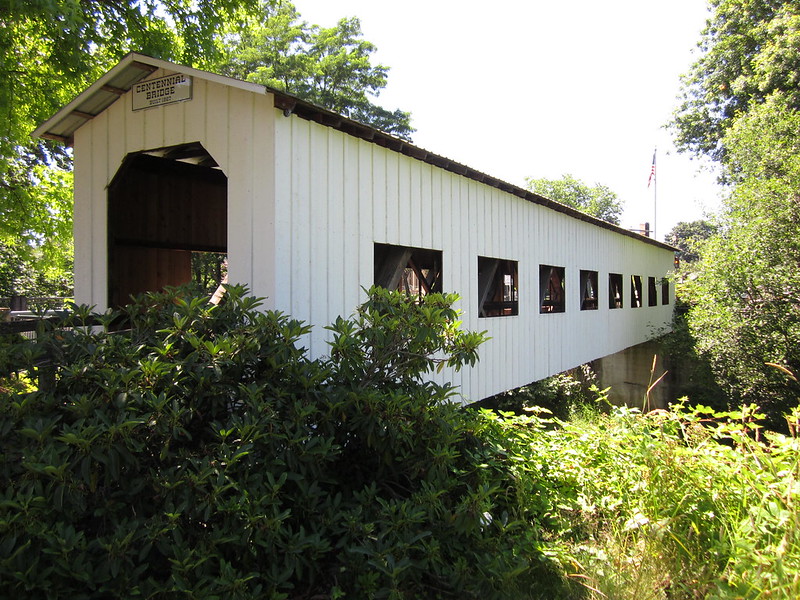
(535, 88)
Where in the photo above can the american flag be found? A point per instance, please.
(652, 170)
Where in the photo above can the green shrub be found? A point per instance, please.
(201, 454)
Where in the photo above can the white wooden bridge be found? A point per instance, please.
(311, 207)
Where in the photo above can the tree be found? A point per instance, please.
(688, 237)
(750, 50)
(745, 311)
(741, 108)
(597, 200)
(36, 223)
(328, 66)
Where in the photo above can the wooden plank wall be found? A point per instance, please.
(158, 212)
(336, 196)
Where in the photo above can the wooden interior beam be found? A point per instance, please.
(420, 275)
(143, 67)
(485, 283)
(83, 115)
(392, 266)
(58, 138)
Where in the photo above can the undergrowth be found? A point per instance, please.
(202, 454)
(685, 503)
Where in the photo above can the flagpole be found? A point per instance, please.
(655, 195)
(654, 179)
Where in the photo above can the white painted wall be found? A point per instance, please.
(336, 196)
(307, 203)
(234, 126)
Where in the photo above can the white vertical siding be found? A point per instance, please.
(101, 175)
(264, 214)
(82, 221)
(307, 203)
(364, 217)
(374, 195)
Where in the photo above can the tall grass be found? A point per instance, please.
(680, 504)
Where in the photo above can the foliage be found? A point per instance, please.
(597, 200)
(741, 108)
(699, 507)
(745, 314)
(35, 274)
(562, 395)
(209, 270)
(688, 237)
(690, 371)
(680, 504)
(35, 226)
(201, 453)
(749, 52)
(328, 66)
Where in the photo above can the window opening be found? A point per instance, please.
(589, 290)
(497, 287)
(665, 291)
(615, 296)
(636, 291)
(652, 293)
(209, 270)
(551, 289)
(163, 206)
(415, 271)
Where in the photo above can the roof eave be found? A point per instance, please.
(102, 93)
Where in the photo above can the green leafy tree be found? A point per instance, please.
(36, 230)
(597, 200)
(331, 66)
(745, 314)
(688, 237)
(740, 108)
(749, 50)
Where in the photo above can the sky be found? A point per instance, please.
(532, 88)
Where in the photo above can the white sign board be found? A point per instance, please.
(164, 90)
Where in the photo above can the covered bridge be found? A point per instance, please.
(310, 207)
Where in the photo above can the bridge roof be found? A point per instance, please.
(135, 67)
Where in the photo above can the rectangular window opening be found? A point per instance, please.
(636, 291)
(498, 295)
(551, 289)
(589, 290)
(209, 270)
(652, 292)
(415, 271)
(615, 295)
(665, 291)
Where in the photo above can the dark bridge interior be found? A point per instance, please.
(162, 207)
